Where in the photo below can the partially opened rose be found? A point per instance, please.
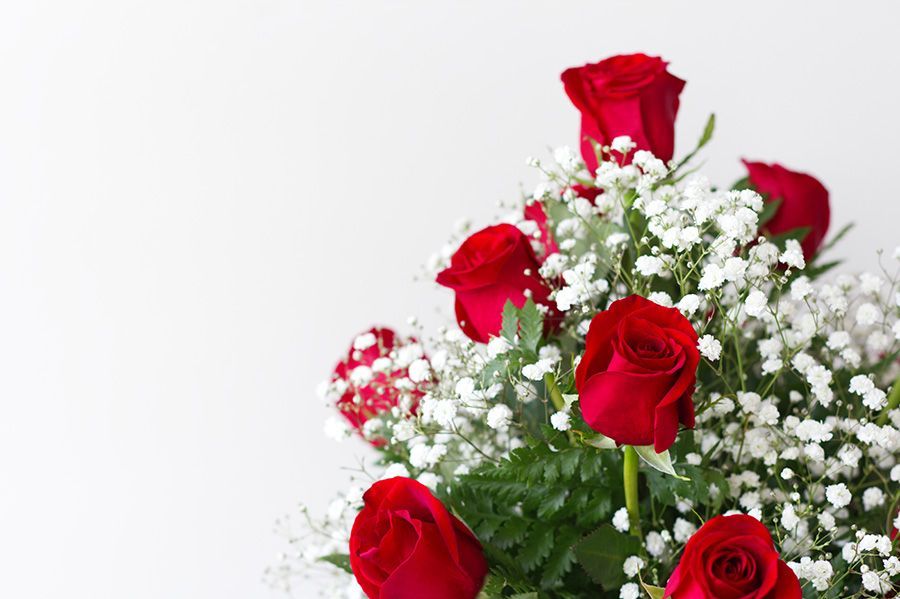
(366, 379)
(732, 557)
(406, 545)
(637, 374)
(630, 95)
(804, 202)
(492, 266)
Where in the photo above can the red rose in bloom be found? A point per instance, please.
(491, 266)
(630, 95)
(732, 557)
(406, 545)
(804, 202)
(368, 393)
(546, 243)
(637, 374)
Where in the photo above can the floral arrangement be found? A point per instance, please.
(657, 387)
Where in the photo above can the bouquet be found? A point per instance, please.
(657, 388)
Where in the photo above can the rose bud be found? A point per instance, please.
(546, 244)
(406, 545)
(492, 266)
(804, 202)
(732, 557)
(365, 380)
(630, 95)
(637, 374)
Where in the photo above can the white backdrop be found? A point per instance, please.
(202, 202)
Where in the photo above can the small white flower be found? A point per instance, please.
(395, 470)
(622, 144)
(793, 254)
(689, 304)
(838, 495)
(649, 265)
(536, 371)
(499, 417)
(498, 346)
(655, 544)
(620, 520)
(364, 341)
(633, 564)
(560, 421)
(713, 277)
(867, 314)
(683, 530)
(630, 590)
(710, 347)
(734, 268)
(419, 371)
(873, 497)
(756, 303)
(661, 297)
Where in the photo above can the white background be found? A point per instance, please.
(201, 203)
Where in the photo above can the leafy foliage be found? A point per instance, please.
(531, 510)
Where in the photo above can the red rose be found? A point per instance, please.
(406, 545)
(630, 95)
(493, 265)
(732, 557)
(804, 202)
(637, 374)
(369, 393)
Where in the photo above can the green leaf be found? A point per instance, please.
(341, 560)
(654, 592)
(510, 323)
(769, 210)
(659, 461)
(561, 558)
(602, 555)
(537, 547)
(552, 502)
(707, 131)
(837, 237)
(511, 532)
(599, 441)
(531, 322)
(742, 184)
(799, 233)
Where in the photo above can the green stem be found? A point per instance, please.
(556, 397)
(892, 403)
(631, 491)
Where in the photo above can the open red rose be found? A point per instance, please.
(637, 374)
(804, 202)
(630, 95)
(406, 545)
(732, 557)
(492, 266)
(369, 393)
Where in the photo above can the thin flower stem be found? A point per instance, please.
(631, 491)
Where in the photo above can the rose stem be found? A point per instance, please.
(631, 491)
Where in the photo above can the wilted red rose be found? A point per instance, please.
(364, 392)
(804, 202)
(492, 266)
(636, 377)
(630, 95)
(732, 557)
(406, 545)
